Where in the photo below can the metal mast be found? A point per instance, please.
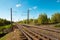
(28, 16)
(11, 15)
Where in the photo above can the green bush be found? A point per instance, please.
(42, 19)
(55, 18)
(4, 22)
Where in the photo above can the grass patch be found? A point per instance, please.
(57, 25)
(4, 27)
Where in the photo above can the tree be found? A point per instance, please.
(49, 20)
(4, 22)
(35, 21)
(55, 18)
(42, 19)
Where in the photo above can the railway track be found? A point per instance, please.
(50, 33)
(31, 34)
(48, 29)
(44, 34)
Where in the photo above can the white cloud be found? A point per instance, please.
(18, 5)
(35, 7)
(58, 1)
(30, 8)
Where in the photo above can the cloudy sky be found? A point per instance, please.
(20, 8)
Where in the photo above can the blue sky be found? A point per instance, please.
(20, 8)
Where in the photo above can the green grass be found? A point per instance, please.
(4, 27)
(4, 38)
(1, 32)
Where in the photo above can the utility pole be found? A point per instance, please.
(11, 15)
(28, 16)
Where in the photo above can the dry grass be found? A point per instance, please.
(13, 35)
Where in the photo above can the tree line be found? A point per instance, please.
(4, 22)
(43, 19)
